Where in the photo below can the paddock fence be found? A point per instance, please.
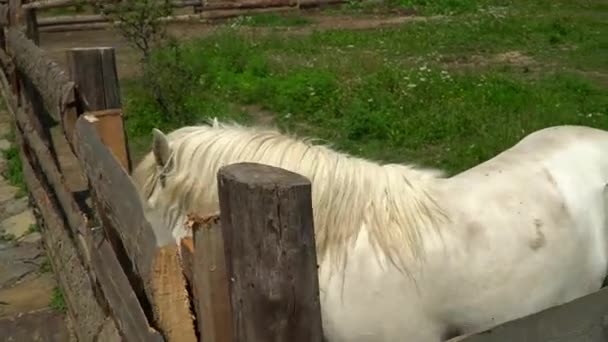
(121, 276)
(91, 17)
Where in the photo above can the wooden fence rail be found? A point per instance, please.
(202, 11)
(120, 274)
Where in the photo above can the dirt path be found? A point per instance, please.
(27, 283)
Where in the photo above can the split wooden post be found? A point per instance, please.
(94, 72)
(271, 263)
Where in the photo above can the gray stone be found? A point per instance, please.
(5, 129)
(18, 224)
(31, 237)
(18, 261)
(7, 192)
(33, 294)
(13, 207)
(4, 144)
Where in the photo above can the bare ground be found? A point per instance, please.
(57, 42)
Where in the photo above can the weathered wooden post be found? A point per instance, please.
(270, 290)
(98, 118)
(100, 92)
(31, 25)
(14, 19)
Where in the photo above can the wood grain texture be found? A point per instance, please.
(31, 25)
(4, 15)
(100, 90)
(210, 285)
(81, 300)
(267, 225)
(122, 301)
(50, 80)
(582, 320)
(99, 94)
(187, 248)
(150, 249)
(76, 220)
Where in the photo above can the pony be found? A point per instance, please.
(419, 256)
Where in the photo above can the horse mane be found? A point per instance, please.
(393, 202)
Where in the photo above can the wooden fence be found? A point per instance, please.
(121, 276)
(201, 11)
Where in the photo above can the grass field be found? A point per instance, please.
(449, 91)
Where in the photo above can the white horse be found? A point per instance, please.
(406, 254)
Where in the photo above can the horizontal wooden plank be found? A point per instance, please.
(42, 4)
(77, 221)
(45, 4)
(79, 295)
(103, 262)
(582, 320)
(151, 249)
(52, 82)
(71, 19)
(123, 302)
(118, 197)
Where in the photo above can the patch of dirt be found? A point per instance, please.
(56, 43)
(512, 58)
(260, 116)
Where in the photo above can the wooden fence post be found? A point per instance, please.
(94, 72)
(31, 25)
(271, 263)
(14, 19)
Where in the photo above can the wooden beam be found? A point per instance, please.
(267, 227)
(100, 94)
(43, 4)
(4, 17)
(71, 19)
(187, 254)
(110, 127)
(75, 218)
(50, 80)
(583, 319)
(122, 301)
(100, 90)
(85, 311)
(151, 249)
(76, 27)
(15, 13)
(210, 282)
(79, 294)
(31, 25)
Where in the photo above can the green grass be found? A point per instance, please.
(57, 300)
(14, 171)
(45, 266)
(440, 92)
(33, 228)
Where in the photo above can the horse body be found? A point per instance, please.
(521, 232)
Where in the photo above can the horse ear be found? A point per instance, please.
(160, 147)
